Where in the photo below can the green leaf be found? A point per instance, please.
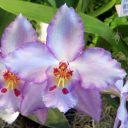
(113, 101)
(43, 13)
(5, 19)
(82, 5)
(31, 10)
(95, 26)
(68, 2)
(52, 3)
(103, 8)
(56, 119)
(122, 30)
(100, 42)
(115, 21)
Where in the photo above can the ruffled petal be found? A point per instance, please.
(65, 35)
(41, 115)
(16, 34)
(98, 69)
(56, 99)
(8, 115)
(30, 62)
(31, 98)
(89, 102)
(119, 85)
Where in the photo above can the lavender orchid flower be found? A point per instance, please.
(121, 120)
(15, 93)
(71, 77)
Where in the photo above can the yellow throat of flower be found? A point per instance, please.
(11, 80)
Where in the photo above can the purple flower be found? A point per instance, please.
(71, 77)
(15, 93)
(121, 120)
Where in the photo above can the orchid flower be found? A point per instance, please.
(121, 120)
(15, 93)
(71, 77)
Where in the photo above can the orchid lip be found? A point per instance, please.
(12, 81)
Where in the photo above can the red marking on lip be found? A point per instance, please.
(16, 92)
(52, 88)
(4, 90)
(65, 91)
